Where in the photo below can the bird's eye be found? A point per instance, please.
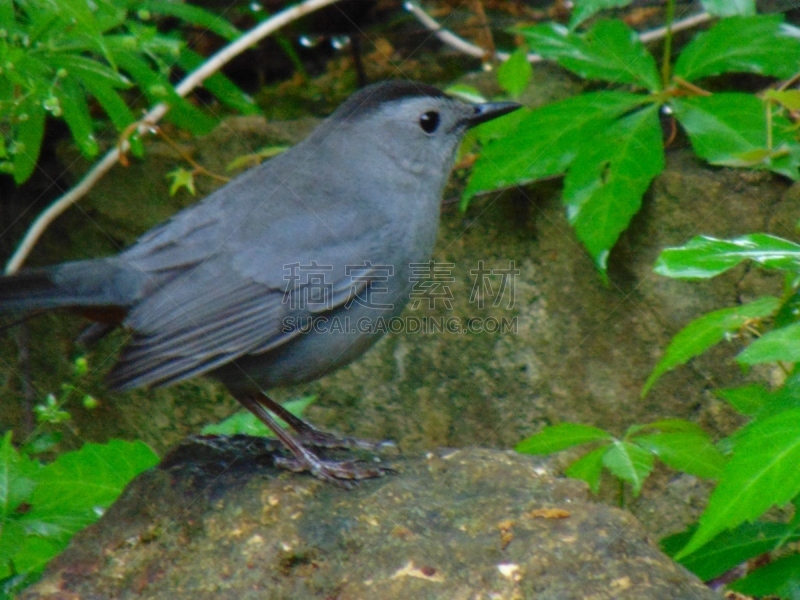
(429, 121)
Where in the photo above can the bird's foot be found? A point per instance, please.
(322, 439)
(341, 472)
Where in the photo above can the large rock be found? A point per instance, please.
(471, 523)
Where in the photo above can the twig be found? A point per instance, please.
(194, 79)
(458, 43)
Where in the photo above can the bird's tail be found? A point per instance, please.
(81, 284)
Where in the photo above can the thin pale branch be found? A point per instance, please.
(194, 79)
(458, 43)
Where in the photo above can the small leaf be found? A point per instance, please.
(777, 345)
(609, 51)
(544, 142)
(181, 178)
(703, 257)
(724, 127)
(555, 438)
(707, 331)
(251, 160)
(195, 15)
(729, 8)
(76, 113)
(629, 462)
(756, 44)
(789, 99)
(604, 186)
(688, 452)
(515, 74)
(761, 473)
(467, 93)
(585, 9)
(730, 548)
(588, 468)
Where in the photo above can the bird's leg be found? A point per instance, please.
(338, 472)
(310, 435)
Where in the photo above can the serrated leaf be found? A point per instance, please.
(609, 51)
(515, 74)
(748, 399)
(605, 183)
(544, 142)
(585, 9)
(91, 71)
(707, 331)
(761, 473)
(90, 477)
(724, 127)
(760, 44)
(30, 133)
(688, 452)
(779, 578)
(730, 548)
(777, 345)
(703, 257)
(555, 438)
(629, 462)
(245, 422)
(588, 468)
(728, 8)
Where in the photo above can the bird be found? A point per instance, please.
(237, 286)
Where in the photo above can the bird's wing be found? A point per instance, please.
(235, 302)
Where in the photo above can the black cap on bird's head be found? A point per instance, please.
(374, 96)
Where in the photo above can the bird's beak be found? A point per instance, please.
(490, 110)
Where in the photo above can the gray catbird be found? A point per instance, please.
(237, 285)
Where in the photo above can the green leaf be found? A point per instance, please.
(629, 462)
(666, 426)
(777, 345)
(244, 422)
(588, 468)
(17, 478)
(30, 132)
(704, 257)
(76, 113)
(760, 44)
(761, 473)
(467, 93)
(90, 477)
(181, 178)
(91, 71)
(688, 452)
(787, 98)
(192, 14)
(223, 88)
(748, 399)
(728, 8)
(706, 331)
(554, 438)
(515, 74)
(730, 548)
(731, 129)
(779, 578)
(604, 186)
(609, 51)
(585, 9)
(545, 141)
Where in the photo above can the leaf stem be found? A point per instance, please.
(666, 65)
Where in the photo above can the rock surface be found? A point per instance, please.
(217, 521)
